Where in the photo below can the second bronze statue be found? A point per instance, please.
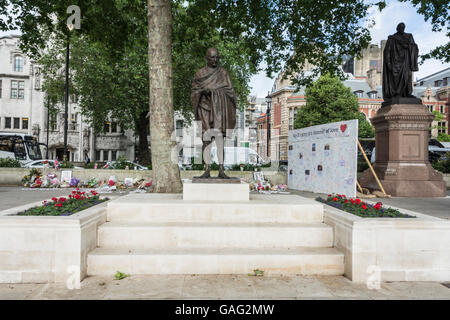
(214, 102)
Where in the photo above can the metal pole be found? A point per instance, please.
(66, 99)
(48, 124)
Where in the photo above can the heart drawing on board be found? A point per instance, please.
(343, 127)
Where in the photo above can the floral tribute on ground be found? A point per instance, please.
(36, 179)
(360, 208)
(62, 206)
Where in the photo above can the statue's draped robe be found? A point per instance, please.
(399, 60)
(218, 110)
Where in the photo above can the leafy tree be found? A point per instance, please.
(329, 100)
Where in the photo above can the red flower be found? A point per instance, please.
(345, 201)
(54, 199)
(70, 196)
(58, 205)
(364, 207)
(77, 196)
(335, 199)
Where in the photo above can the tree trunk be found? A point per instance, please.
(166, 175)
(141, 128)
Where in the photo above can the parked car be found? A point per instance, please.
(238, 155)
(131, 165)
(40, 164)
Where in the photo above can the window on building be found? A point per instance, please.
(53, 123)
(442, 127)
(8, 123)
(445, 81)
(107, 126)
(17, 89)
(16, 123)
(372, 95)
(24, 123)
(113, 155)
(292, 116)
(21, 89)
(18, 63)
(14, 88)
(441, 109)
(430, 108)
(113, 127)
(1, 89)
(359, 93)
(97, 155)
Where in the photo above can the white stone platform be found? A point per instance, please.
(215, 191)
(164, 234)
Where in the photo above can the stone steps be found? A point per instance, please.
(171, 207)
(164, 234)
(300, 260)
(213, 234)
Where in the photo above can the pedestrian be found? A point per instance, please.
(86, 159)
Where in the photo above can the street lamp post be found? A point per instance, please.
(268, 101)
(48, 124)
(66, 96)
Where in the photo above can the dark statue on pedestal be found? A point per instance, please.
(214, 102)
(399, 61)
(401, 128)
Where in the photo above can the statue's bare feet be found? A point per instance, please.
(222, 174)
(205, 175)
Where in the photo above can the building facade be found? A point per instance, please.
(22, 110)
(434, 90)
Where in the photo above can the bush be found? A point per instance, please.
(442, 165)
(9, 163)
(362, 166)
(66, 165)
(443, 137)
(361, 208)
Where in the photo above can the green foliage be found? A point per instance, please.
(122, 163)
(443, 137)
(9, 163)
(120, 275)
(329, 100)
(362, 165)
(256, 273)
(66, 165)
(442, 165)
(320, 33)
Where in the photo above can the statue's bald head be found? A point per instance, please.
(401, 27)
(212, 57)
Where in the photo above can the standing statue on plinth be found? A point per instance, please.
(399, 61)
(402, 167)
(214, 102)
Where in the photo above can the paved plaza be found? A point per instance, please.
(438, 207)
(218, 287)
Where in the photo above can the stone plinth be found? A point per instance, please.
(402, 153)
(215, 191)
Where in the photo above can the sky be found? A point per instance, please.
(385, 24)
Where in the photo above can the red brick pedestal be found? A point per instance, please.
(401, 164)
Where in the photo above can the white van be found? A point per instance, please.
(238, 155)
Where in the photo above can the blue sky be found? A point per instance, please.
(385, 24)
